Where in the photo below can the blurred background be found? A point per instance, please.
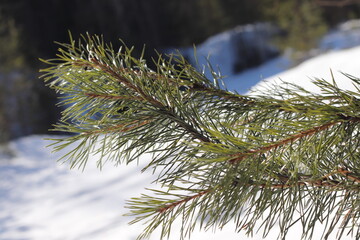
(249, 40)
(28, 29)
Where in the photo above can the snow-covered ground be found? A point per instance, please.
(335, 64)
(41, 199)
(217, 50)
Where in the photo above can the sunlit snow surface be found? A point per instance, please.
(41, 199)
(217, 50)
(333, 65)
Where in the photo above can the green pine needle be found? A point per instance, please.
(282, 157)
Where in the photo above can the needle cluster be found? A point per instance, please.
(264, 161)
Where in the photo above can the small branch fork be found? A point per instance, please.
(143, 96)
(323, 182)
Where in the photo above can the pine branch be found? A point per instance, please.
(290, 151)
(320, 183)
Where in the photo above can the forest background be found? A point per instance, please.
(28, 29)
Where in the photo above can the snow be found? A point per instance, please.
(244, 81)
(336, 64)
(218, 51)
(346, 35)
(41, 198)
(230, 51)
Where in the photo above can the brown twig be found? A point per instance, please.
(349, 118)
(348, 174)
(106, 68)
(240, 156)
(185, 200)
(183, 124)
